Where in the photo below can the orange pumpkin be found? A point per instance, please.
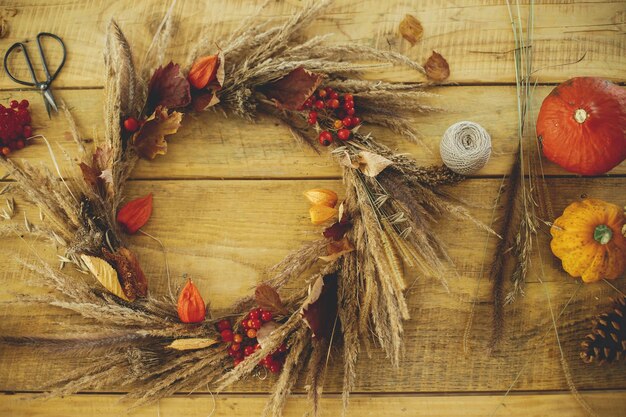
(582, 125)
(589, 241)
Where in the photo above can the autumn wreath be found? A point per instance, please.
(353, 276)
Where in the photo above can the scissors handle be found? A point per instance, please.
(49, 77)
(30, 65)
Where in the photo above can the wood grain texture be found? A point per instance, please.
(474, 36)
(225, 233)
(212, 146)
(607, 404)
(228, 205)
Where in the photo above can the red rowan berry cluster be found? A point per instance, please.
(244, 344)
(334, 114)
(14, 126)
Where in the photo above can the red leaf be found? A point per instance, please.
(291, 91)
(268, 299)
(337, 230)
(167, 88)
(135, 214)
(319, 311)
(437, 68)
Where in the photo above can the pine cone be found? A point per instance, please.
(607, 341)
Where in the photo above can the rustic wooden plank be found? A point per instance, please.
(211, 146)
(475, 36)
(225, 233)
(605, 403)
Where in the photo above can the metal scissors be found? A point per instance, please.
(43, 86)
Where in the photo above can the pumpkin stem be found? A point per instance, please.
(603, 234)
(580, 115)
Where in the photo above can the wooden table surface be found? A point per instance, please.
(228, 205)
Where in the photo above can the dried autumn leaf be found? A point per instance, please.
(437, 68)
(319, 311)
(322, 196)
(149, 140)
(268, 299)
(411, 29)
(265, 331)
(320, 214)
(346, 160)
(337, 230)
(372, 164)
(102, 158)
(135, 214)
(220, 75)
(129, 273)
(105, 274)
(90, 175)
(168, 88)
(337, 249)
(140, 283)
(204, 101)
(291, 91)
(192, 343)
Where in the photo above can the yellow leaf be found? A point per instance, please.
(411, 29)
(192, 344)
(105, 274)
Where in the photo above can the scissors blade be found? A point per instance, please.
(49, 99)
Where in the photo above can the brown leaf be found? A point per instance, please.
(437, 68)
(192, 343)
(168, 88)
(268, 299)
(102, 158)
(265, 331)
(372, 164)
(291, 91)
(149, 140)
(204, 100)
(337, 249)
(140, 283)
(90, 175)
(105, 274)
(411, 29)
(319, 311)
(129, 273)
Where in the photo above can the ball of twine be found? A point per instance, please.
(465, 147)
